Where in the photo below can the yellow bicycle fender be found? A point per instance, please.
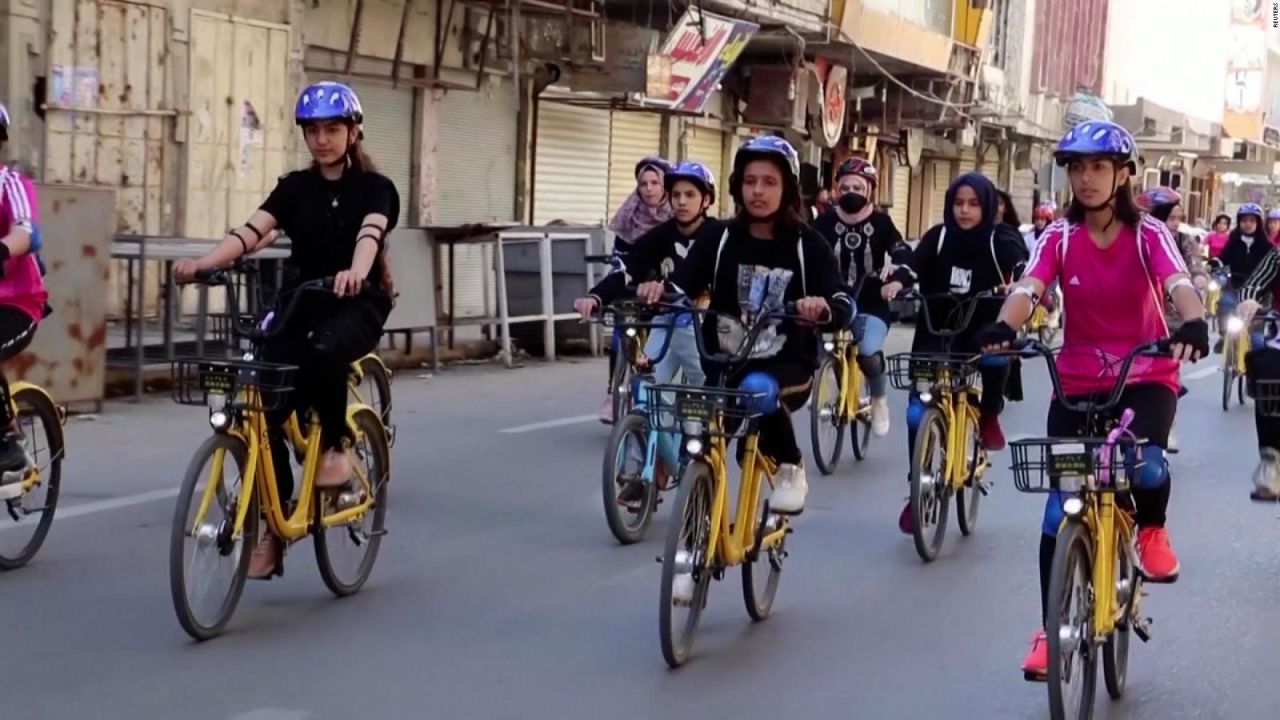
(24, 386)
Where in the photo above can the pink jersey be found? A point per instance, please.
(1113, 301)
(22, 286)
(1216, 241)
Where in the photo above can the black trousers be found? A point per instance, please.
(1264, 364)
(324, 337)
(16, 332)
(777, 438)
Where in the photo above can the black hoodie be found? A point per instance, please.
(1242, 259)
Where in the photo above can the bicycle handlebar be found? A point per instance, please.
(970, 306)
(273, 323)
(1030, 347)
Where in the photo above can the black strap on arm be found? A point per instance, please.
(244, 244)
(379, 236)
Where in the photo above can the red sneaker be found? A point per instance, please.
(1159, 564)
(1035, 666)
(992, 435)
(906, 523)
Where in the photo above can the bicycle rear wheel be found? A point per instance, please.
(970, 494)
(1228, 372)
(826, 428)
(624, 461)
(684, 561)
(1073, 663)
(1115, 653)
(930, 491)
(375, 387)
(860, 425)
(208, 562)
(346, 553)
(41, 426)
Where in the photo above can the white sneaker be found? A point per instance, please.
(789, 490)
(1173, 438)
(682, 589)
(880, 416)
(1266, 477)
(606, 410)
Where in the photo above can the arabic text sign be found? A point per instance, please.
(702, 48)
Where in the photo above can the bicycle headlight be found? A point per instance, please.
(631, 332)
(1214, 286)
(828, 346)
(693, 446)
(1234, 325)
(219, 420)
(926, 397)
(1072, 506)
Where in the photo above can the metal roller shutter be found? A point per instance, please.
(991, 164)
(476, 155)
(706, 145)
(939, 179)
(899, 192)
(571, 169)
(388, 135)
(968, 162)
(1023, 192)
(632, 135)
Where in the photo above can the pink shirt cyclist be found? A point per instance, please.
(22, 296)
(1115, 266)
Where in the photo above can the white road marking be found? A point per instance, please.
(66, 513)
(531, 427)
(1203, 372)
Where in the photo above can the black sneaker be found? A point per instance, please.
(632, 495)
(1217, 347)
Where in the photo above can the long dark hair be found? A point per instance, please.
(1010, 216)
(1126, 210)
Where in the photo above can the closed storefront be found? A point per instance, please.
(632, 135)
(968, 162)
(706, 145)
(476, 163)
(991, 164)
(1023, 191)
(388, 135)
(899, 192)
(571, 166)
(938, 176)
(476, 155)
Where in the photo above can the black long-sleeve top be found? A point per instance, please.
(962, 268)
(712, 266)
(1241, 258)
(653, 256)
(1262, 283)
(863, 248)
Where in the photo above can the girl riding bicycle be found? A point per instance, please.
(866, 241)
(337, 214)
(1116, 266)
(23, 296)
(769, 233)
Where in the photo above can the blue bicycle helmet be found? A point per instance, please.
(768, 146)
(328, 101)
(1273, 214)
(696, 173)
(1250, 209)
(1098, 137)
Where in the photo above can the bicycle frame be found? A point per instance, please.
(729, 543)
(253, 429)
(1108, 528)
(851, 378)
(954, 405)
(1235, 350)
(32, 478)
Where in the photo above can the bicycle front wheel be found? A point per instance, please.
(1073, 663)
(624, 461)
(762, 569)
(860, 425)
(375, 387)
(41, 427)
(930, 491)
(208, 561)
(346, 553)
(685, 575)
(1228, 373)
(826, 428)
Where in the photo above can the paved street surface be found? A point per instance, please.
(500, 593)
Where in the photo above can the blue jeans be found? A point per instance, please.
(870, 332)
(681, 355)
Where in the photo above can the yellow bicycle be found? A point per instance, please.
(30, 503)
(230, 483)
(1235, 345)
(703, 538)
(947, 458)
(840, 400)
(1095, 586)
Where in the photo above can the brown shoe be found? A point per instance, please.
(266, 554)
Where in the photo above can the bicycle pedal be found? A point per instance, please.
(1034, 677)
(1143, 629)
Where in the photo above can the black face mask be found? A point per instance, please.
(853, 203)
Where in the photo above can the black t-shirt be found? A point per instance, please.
(713, 265)
(862, 248)
(653, 256)
(961, 267)
(323, 217)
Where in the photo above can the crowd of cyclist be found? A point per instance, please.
(1110, 246)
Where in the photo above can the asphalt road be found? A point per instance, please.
(500, 593)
